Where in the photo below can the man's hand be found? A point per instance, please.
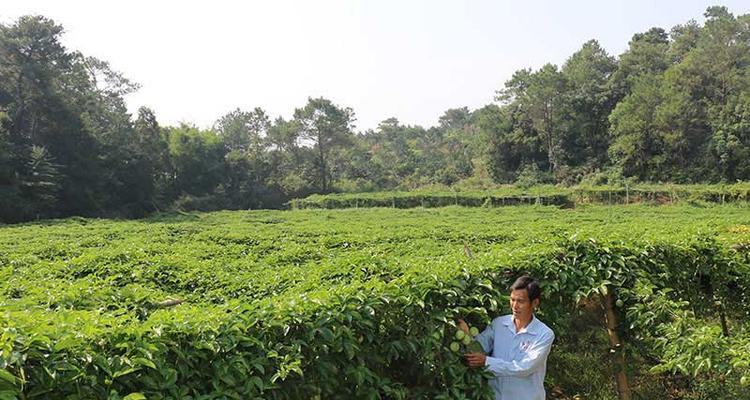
(462, 326)
(475, 360)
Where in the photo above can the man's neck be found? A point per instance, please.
(520, 324)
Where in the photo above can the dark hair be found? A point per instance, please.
(530, 284)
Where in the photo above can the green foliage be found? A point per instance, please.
(362, 304)
(524, 192)
(589, 102)
(43, 180)
(540, 98)
(531, 176)
(326, 127)
(406, 157)
(197, 160)
(351, 304)
(244, 131)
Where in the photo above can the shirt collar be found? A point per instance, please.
(532, 328)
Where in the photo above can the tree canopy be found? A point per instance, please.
(673, 107)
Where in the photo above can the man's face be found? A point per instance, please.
(520, 305)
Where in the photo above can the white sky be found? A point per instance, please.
(197, 60)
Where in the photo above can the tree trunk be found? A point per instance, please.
(618, 355)
(723, 318)
(323, 166)
(21, 104)
(550, 153)
(549, 127)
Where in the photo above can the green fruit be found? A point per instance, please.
(466, 340)
(619, 303)
(745, 381)
(474, 347)
(473, 331)
(460, 334)
(455, 347)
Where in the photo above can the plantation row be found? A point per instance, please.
(362, 304)
(542, 195)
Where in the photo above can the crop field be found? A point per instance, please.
(537, 195)
(362, 303)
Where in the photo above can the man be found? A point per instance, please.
(518, 345)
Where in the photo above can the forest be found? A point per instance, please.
(674, 107)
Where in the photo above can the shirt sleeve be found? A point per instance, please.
(532, 359)
(486, 338)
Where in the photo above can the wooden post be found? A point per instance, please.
(627, 194)
(615, 343)
(723, 319)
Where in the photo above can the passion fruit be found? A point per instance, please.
(474, 347)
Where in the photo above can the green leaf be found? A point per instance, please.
(6, 376)
(65, 343)
(8, 395)
(257, 382)
(135, 396)
(144, 362)
(125, 372)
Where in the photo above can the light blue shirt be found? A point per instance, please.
(517, 359)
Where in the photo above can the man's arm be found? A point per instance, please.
(532, 360)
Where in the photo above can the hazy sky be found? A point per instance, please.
(197, 60)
